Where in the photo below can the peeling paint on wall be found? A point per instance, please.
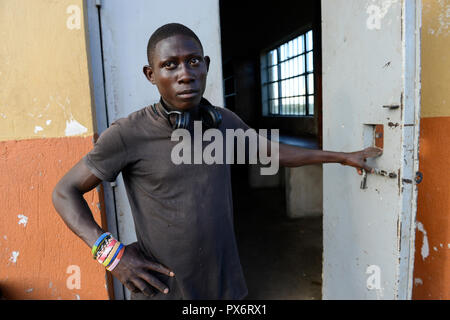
(37, 129)
(23, 220)
(425, 248)
(74, 128)
(377, 11)
(14, 256)
(418, 281)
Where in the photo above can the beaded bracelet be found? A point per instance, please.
(105, 253)
(108, 251)
(105, 243)
(97, 243)
(111, 254)
(116, 260)
(114, 255)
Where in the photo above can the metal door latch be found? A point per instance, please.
(364, 180)
(380, 172)
(391, 175)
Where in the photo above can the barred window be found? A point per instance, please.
(287, 75)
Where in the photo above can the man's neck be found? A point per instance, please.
(169, 108)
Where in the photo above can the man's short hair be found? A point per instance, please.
(166, 31)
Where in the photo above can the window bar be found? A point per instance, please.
(299, 92)
(288, 89)
(306, 76)
(269, 107)
(280, 93)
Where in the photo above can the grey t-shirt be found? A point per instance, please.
(183, 214)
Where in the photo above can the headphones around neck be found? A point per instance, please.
(209, 115)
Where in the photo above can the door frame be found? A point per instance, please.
(412, 23)
(101, 123)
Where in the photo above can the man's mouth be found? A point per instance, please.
(186, 94)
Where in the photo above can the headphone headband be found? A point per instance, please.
(209, 115)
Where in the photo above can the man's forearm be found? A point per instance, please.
(292, 156)
(76, 214)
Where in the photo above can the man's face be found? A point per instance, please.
(179, 71)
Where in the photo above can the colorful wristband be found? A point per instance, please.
(107, 250)
(115, 255)
(98, 243)
(111, 254)
(117, 260)
(101, 248)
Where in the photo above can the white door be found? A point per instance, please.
(125, 27)
(371, 80)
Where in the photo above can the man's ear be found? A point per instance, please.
(148, 71)
(207, 61)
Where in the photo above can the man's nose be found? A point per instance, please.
(186, 74)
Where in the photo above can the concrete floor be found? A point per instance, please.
(281, 257)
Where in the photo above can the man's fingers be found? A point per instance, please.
(368, 169)
(159, 268)
(154, 282)
(131, 287)
(372, 152)
(143, 287)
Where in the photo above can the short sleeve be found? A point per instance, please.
(109, 155)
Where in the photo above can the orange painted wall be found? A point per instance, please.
(432, 257)
(29, 170)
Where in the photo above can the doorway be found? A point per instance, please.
(280, 241)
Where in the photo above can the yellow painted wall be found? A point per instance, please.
(432, 258)
(435, 58)
(43, 70)
(46, 126)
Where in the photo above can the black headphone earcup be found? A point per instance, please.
(211, 117)
(183, 120)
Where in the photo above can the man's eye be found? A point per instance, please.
(169, 65)
(195, 60)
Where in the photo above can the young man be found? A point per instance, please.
(186, 247)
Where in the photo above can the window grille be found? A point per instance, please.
(287, 74)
